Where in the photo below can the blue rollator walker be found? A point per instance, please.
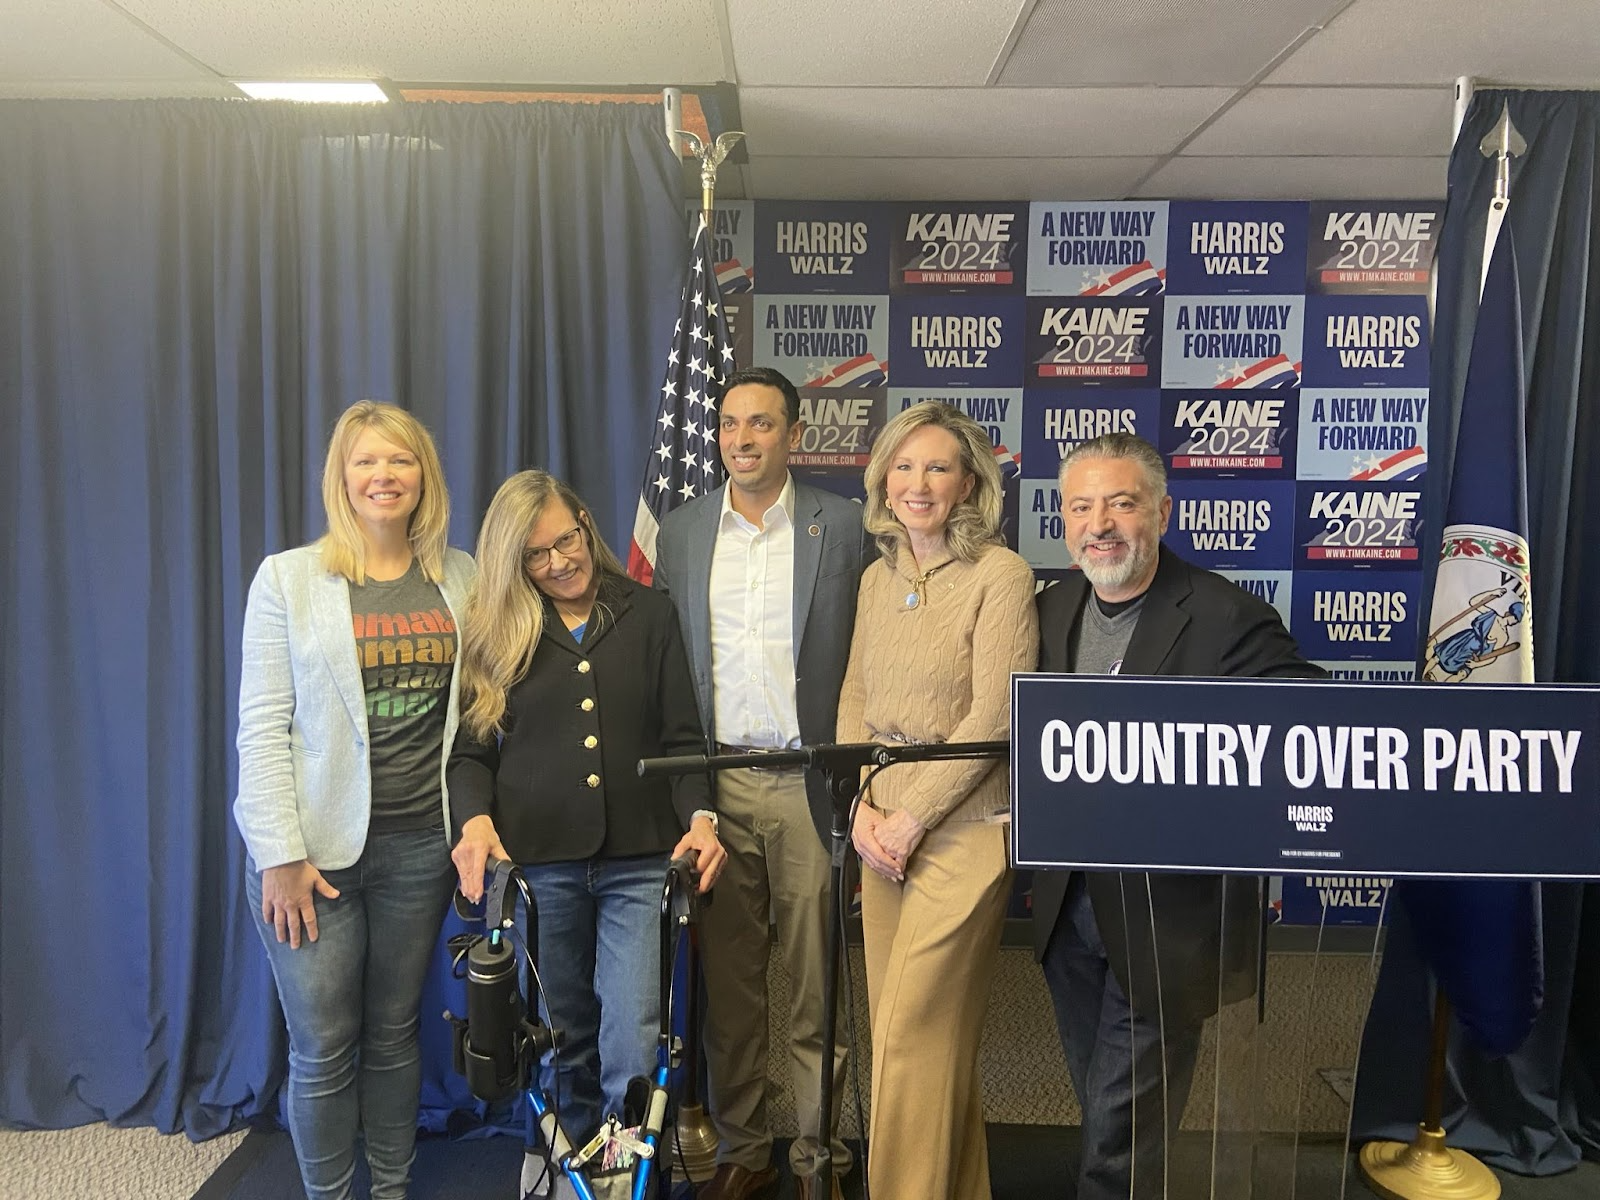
(498, 1047)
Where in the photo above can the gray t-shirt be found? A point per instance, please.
(1103, 639)
(406, 649)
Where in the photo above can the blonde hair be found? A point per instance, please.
(505, 609)
(344, 545)
(974, 523)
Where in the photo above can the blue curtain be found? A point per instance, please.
(1538, 1110)
(190, 293)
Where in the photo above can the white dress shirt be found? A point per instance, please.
(752, 626)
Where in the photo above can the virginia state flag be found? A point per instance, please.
(1483, 938)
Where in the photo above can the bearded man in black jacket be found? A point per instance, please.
(1136, 962)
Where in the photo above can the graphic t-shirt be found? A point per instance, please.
(406, 649)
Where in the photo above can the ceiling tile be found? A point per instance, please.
(1548, 42)
(84, 40)
(973, 122)
(826, 43)
(1287, 178)
(1067, 42)
(826, 178)
(1315, 121)
(466, 41)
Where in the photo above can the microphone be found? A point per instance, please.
(494, 1016)
(685, 764)
(675, 764)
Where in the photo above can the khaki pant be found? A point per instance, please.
(931, 947)
(776, 864)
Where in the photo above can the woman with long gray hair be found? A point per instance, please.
(572, 674)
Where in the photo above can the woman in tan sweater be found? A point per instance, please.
(944, 618)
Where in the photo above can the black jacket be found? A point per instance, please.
(1193, 622)
(563, 784)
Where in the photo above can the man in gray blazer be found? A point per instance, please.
(765, 572)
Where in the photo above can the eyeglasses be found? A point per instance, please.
(536, 557)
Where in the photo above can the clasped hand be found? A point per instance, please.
(886, 843)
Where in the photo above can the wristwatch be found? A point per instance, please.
(709, 814)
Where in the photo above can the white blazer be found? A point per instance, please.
(305, 776)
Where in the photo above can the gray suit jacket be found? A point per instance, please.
(305, 778)
(831, 550)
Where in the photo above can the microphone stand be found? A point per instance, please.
(841, 765)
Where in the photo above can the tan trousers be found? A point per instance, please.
(931, 947)
(776, 864)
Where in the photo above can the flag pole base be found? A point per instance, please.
(1426, 1169)
(696, 1145)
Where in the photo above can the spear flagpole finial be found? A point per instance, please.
(1504, 143)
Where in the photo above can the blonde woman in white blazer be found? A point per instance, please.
(347, 712)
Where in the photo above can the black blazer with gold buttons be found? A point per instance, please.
(563, 784)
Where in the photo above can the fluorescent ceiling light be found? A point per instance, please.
(314, 91)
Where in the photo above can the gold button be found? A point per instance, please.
(583, 667)
(587, 705)
(590, 742)
(593, 781)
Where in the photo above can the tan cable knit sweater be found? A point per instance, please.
(940, 672)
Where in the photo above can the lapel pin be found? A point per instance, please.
(815, 530)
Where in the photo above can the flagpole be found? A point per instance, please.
(683, 460)
(694, 1133)
(1426, 1168)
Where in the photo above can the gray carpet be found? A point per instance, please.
(1290, 1075)
(1026, 1162)
(1285, 1068)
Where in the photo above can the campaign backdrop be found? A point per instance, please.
(1276, 353)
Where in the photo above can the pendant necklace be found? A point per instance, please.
(914, 596)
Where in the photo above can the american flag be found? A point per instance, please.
(684, 460)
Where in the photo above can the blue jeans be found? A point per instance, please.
(599, 957)
(1115, 1056)
(350, 1000)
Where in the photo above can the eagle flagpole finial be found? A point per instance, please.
(710, 159)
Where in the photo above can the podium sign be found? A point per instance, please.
(1305, 777)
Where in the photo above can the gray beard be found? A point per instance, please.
(1114, 576)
